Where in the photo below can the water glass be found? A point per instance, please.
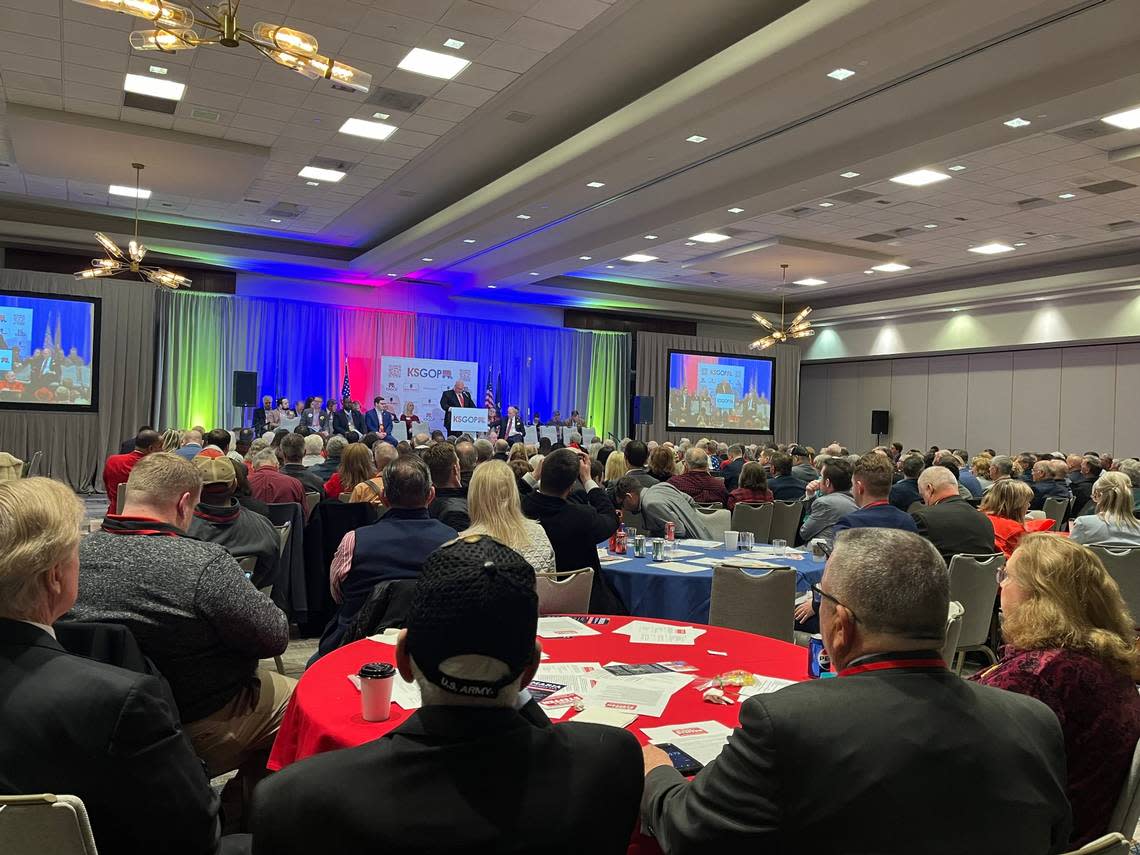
(747, 540)
(779, 546)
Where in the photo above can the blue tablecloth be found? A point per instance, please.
(648, 591)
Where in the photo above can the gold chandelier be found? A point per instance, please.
(174, 30)
(118, 261)
(800, 327)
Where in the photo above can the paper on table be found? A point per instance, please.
(561, 626)
(701, 740)
(644, 694)
(404, 694)
(678, 567)
(552, 672)
(613, 718)
(684, 553)
(648, 632)
(606, 558)
(388, 636)
(764, 685)
(704, 544)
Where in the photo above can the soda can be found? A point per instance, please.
(619, 545)
(670, 530)
(819, 662)
(639, 545)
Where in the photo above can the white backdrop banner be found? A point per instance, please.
(422, 382)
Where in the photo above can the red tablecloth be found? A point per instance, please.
(324, 713)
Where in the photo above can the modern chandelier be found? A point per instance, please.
(118, 261)
(800, 327)
(175, 30)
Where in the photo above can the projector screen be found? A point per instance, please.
(49, 350)
(719, 391)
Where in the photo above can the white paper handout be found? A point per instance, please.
(649, 632)
(703, 544)
(561, 626)
(764, 685)
(679, 567)
(643, 694)
(388, 636)
(613, 718)
(701, 740)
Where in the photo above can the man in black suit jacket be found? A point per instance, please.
(867, 762)
(730, 468)
(478, 768)
(45, 368)
(952, 524)
(513, 428)
(259, 415)
(457, 396)
(341, 421)
(1049, 481)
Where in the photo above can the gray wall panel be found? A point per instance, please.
(909, 386)
(814, 393)
(1088, 397)
(874, 394)
(946, 401)
(844, 405)
(990, 401)
(1126, 442)
(1035, 424)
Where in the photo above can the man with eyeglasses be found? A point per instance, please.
(868, 762)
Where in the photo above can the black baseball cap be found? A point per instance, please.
(474, 596)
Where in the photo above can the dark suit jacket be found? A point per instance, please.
(374, 423)
(450, 399)
(341, 422)
(462, 780)
(357, 419)
(955, 527)
(259, 421)
(866, 764)
(787, 488)
(1044, 489)
(905, 493)
(107, 735)
(311, 482)
(731, 473)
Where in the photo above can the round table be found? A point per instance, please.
(324, 713)
(647, 590)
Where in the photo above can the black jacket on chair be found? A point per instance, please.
(107, 735)
(955, 527)
(458, 780)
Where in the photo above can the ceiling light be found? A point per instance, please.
(868, 271)
(532, 273)
(313, 183)
(432, 64)
(164, 13)
(651, 237)
(317, 173)
(920, 177)
(840, 74)
(957, 167)
(891, 267)
(639, 256)
(456, 44)
(1129, 119)
(800, 327)
(140, 84)
(522, 217)
(427, 259)
(827, 204)
(709, 237)
(1067, 196)
(991, 248)
(695, 138)
(584, 257)
(157, 69)
(1020, 243)
(609, 267)
(274, 220)
(810, 281)
(848, 174)
(931, 226)
(366, 129)
(689, 243)
(393, 274)
(736, 210)
(380, 116)
(595, 184)
(129, 192)
(1017, 123)
(469, 240)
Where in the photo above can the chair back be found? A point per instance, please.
(1127, 810)
(716, 522)
(953, 631)
(311, 500)
(346, 497)
(1123, 565)
(973, 583)
(1055, 509)
(247, 563)
(754, 518)
(33, 825)
(1114, 843)
(565, 593)
(709, 506)
(785, 521)
(121, 498)
(283, 536)
(762, 604)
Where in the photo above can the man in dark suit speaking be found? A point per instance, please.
(868, 761)
(456, 396)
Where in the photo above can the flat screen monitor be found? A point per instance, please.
(720, 392)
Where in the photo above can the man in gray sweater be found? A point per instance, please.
(193, 613)
(660, 504)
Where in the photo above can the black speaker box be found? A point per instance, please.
(880, 421)
(245, 389)
(643, 409)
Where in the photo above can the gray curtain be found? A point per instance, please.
(76, 444)
(653, 379)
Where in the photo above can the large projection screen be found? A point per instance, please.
(720, 392)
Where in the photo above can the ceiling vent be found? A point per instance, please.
(203, 115)
(286, 210)
(906, 231)
(1088, 131)
(331, 163)
(1032, 202)
(1122, 225)
(800, 213)
(854, 197)
(252, 201)
(876, 238)
(1105, 187)
(394, 99)
(149, 102)
(519, 116)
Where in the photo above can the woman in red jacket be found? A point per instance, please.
(753, 486)
(1006, 504)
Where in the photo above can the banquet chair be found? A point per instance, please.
(756, 518)
(717, 522)
(1055, 509)
(973, 583)
(1123, 565)
(566, 593)
(953, 631)
(311, 501)
(35, 824)
(1127, 810)
(785, 521)
(762, 604)
(1114, 843)
(709, 506)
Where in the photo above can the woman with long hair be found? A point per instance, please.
(518, 452)
(752, 486)
(1071, 643)
(355, 468)
(409, 417)
(662, 463)
(1006, 504)
(615, 468)
(1114, 523)
(494, 507)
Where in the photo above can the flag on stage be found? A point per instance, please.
(489, 397)
(345, 389)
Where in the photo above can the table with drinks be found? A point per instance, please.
(661, 577)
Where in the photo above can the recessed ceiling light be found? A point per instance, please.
(689, 243)
(609, 267)
(456, 44)
(991, 248)
(639, 256)
(129, 192)
(891, 267)
(920, 177)
(651, 237)
(848, 174)
(469, 240)
(868, 271)
(695, 138)
(366, 129)
(1129, 119)
(274, 220)
(1020, 243)
(522, 217)
(584, 257)
(318, 173)
(492, 287)
(810, 281)
(840, 74)
(532, 273)
(140, 84)
(595, 184)
(957, 167)
(427, 259)
(931, 226)
(709, 237)
(380, 116)
(157, 69)
(1067, 196)
(313, 183)
(393, 274)
(433, 64)
(1017, 123)
(827, 204)
(736, 210)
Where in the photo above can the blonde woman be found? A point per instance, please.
(1114, 523)
(1071, 645)
(615, 468)
(980, 466)
(1006, 504)
(494, 507)
(518, 452)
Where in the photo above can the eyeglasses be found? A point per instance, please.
(822, 593)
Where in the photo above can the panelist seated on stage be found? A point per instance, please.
(378, 417)
(513, 428)
(457, 396)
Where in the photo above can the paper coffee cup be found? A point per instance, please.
(730, 539)
(376, 679)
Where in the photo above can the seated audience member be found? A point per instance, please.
(1070, 644)
(696, 481)
(637, 459)
(867, 762)
(1114, 523)
(1025, 462)
(660, 504)
(468, 459)
(966, 476)
(1073, 466)
(217, 443)
(327, 466)
(833, 501)
(218, 518)
(953, 464)
(1006, 505)
(785, 486)
(450, 504)
(171, 440)
(949, 521)
(1082, 489)
(662, 463)
(870, 486)
(241, 446)
(980, 466)
(355, 468)
(801, 464)
(731, 465)
(615, 468)
(484, 451)
(193, 613)
(393, 548)
(502, 449)
(372, 490)
(753, 486)
(496, 511)
(1130, 466)
(118, 466)
(270, 486)
(191, 444)
(1048, 480)
(421, 441)
(292, 451)
(128, 444)
(905, 493)
(474, 770)
(314, 445)
(1002, 468)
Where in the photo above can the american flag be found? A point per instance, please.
(345, 389)
(489, 397)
